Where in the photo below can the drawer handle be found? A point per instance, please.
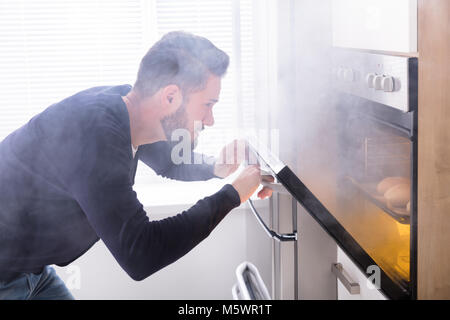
(338, 270)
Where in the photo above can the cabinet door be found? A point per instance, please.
(367, 290)
(383, 25)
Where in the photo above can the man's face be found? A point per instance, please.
(195, 113)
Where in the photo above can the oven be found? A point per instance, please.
(368, 203)
(376, 112)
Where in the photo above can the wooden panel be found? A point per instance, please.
(434, 150)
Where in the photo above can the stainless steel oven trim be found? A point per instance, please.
(352, 70)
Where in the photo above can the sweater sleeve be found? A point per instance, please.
(103, 190)
(158, 156)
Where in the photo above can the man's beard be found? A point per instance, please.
(175, 121)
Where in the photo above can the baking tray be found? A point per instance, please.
(369, 190)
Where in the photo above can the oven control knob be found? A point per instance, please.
(378, 83)
(369, 79)
(388, 84)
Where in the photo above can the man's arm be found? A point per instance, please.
(158, 156)
(101, 185)
(140, 246)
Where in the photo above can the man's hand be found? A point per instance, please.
(266, 191)
(247, 183)
(230, 158)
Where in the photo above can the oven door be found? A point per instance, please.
(369, 224)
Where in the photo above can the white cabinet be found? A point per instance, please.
(383, 25)
(352, 274)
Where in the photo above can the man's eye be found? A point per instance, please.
(209, 105)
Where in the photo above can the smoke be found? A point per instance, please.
(327, 142)
(302, 108)
(323, 137)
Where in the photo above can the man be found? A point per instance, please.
(66, 177)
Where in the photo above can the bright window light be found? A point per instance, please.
(52, 49)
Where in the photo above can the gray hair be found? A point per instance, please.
(180, 58)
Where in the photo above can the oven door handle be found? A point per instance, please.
(271, 233)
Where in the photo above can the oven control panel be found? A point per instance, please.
(380, 82)
(385, 79)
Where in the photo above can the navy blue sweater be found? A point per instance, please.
(66, 181)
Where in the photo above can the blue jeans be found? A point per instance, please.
(28, 286)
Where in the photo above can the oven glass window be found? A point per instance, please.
(374, 191)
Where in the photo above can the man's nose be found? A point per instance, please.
(209, 119)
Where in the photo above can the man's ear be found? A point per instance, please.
(171, 98)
